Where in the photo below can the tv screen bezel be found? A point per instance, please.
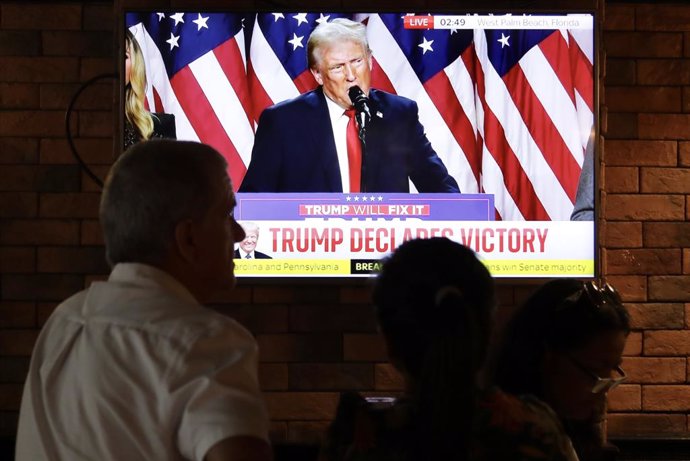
(497, 8)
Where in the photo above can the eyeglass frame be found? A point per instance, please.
(601, 385)
(596, 294)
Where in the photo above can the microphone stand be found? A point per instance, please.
(362, 133)
(361, 104)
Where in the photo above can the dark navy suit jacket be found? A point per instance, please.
(257, 255)
(294, 149)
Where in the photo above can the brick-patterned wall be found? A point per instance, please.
(646, 177)
(318, 339)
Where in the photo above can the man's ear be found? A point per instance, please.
(317, 75)
(185, 241)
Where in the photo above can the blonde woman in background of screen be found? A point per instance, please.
(140, 124)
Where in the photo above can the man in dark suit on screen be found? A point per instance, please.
(247, 247)
(343, 136)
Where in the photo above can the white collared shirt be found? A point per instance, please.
(339, 123)
(135, 368)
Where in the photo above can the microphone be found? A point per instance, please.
(361, 103)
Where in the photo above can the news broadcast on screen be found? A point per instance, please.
(476, 127)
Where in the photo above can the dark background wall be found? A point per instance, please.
(318, 339)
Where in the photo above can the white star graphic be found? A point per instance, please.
(372, 198)
(301, 18)
(172, 41)
(322, 18)
(348, 198)
(453, 31)
(177, 17)
(296, 42)
(364, 199)
(277, 16)
(426, 45)
(356, 198)
(201, 22)
(503, 40)
(160, 16)
(380, 198)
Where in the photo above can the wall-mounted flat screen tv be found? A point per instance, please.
(479, 127)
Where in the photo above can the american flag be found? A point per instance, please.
(508, 111)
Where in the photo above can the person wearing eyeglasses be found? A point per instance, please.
(434, 301)
(564, 345)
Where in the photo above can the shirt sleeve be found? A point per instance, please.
(584, 198)
(218, 391)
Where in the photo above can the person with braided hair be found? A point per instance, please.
(434, 301)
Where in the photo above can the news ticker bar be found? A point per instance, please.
(368, 267)
(527, 22)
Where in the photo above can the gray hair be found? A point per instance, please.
(338, 30)
(152, 187)
(249, 226)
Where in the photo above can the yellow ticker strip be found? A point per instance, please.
(531, 267)
(291, 267)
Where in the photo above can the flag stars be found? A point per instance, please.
(172, 41)
(201, 22)
(301, 18)
(503, 40)
(161, 16)
(426, 45)
(296, 42)
(177, 17)
(277, 16)
(322, 18)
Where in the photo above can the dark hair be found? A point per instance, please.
(561, 316)
(433, 300)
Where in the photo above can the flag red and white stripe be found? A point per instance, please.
(517, 132)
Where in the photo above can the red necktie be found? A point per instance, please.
(354, 152)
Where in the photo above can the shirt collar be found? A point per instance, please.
(146, 276)
(334, 110)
